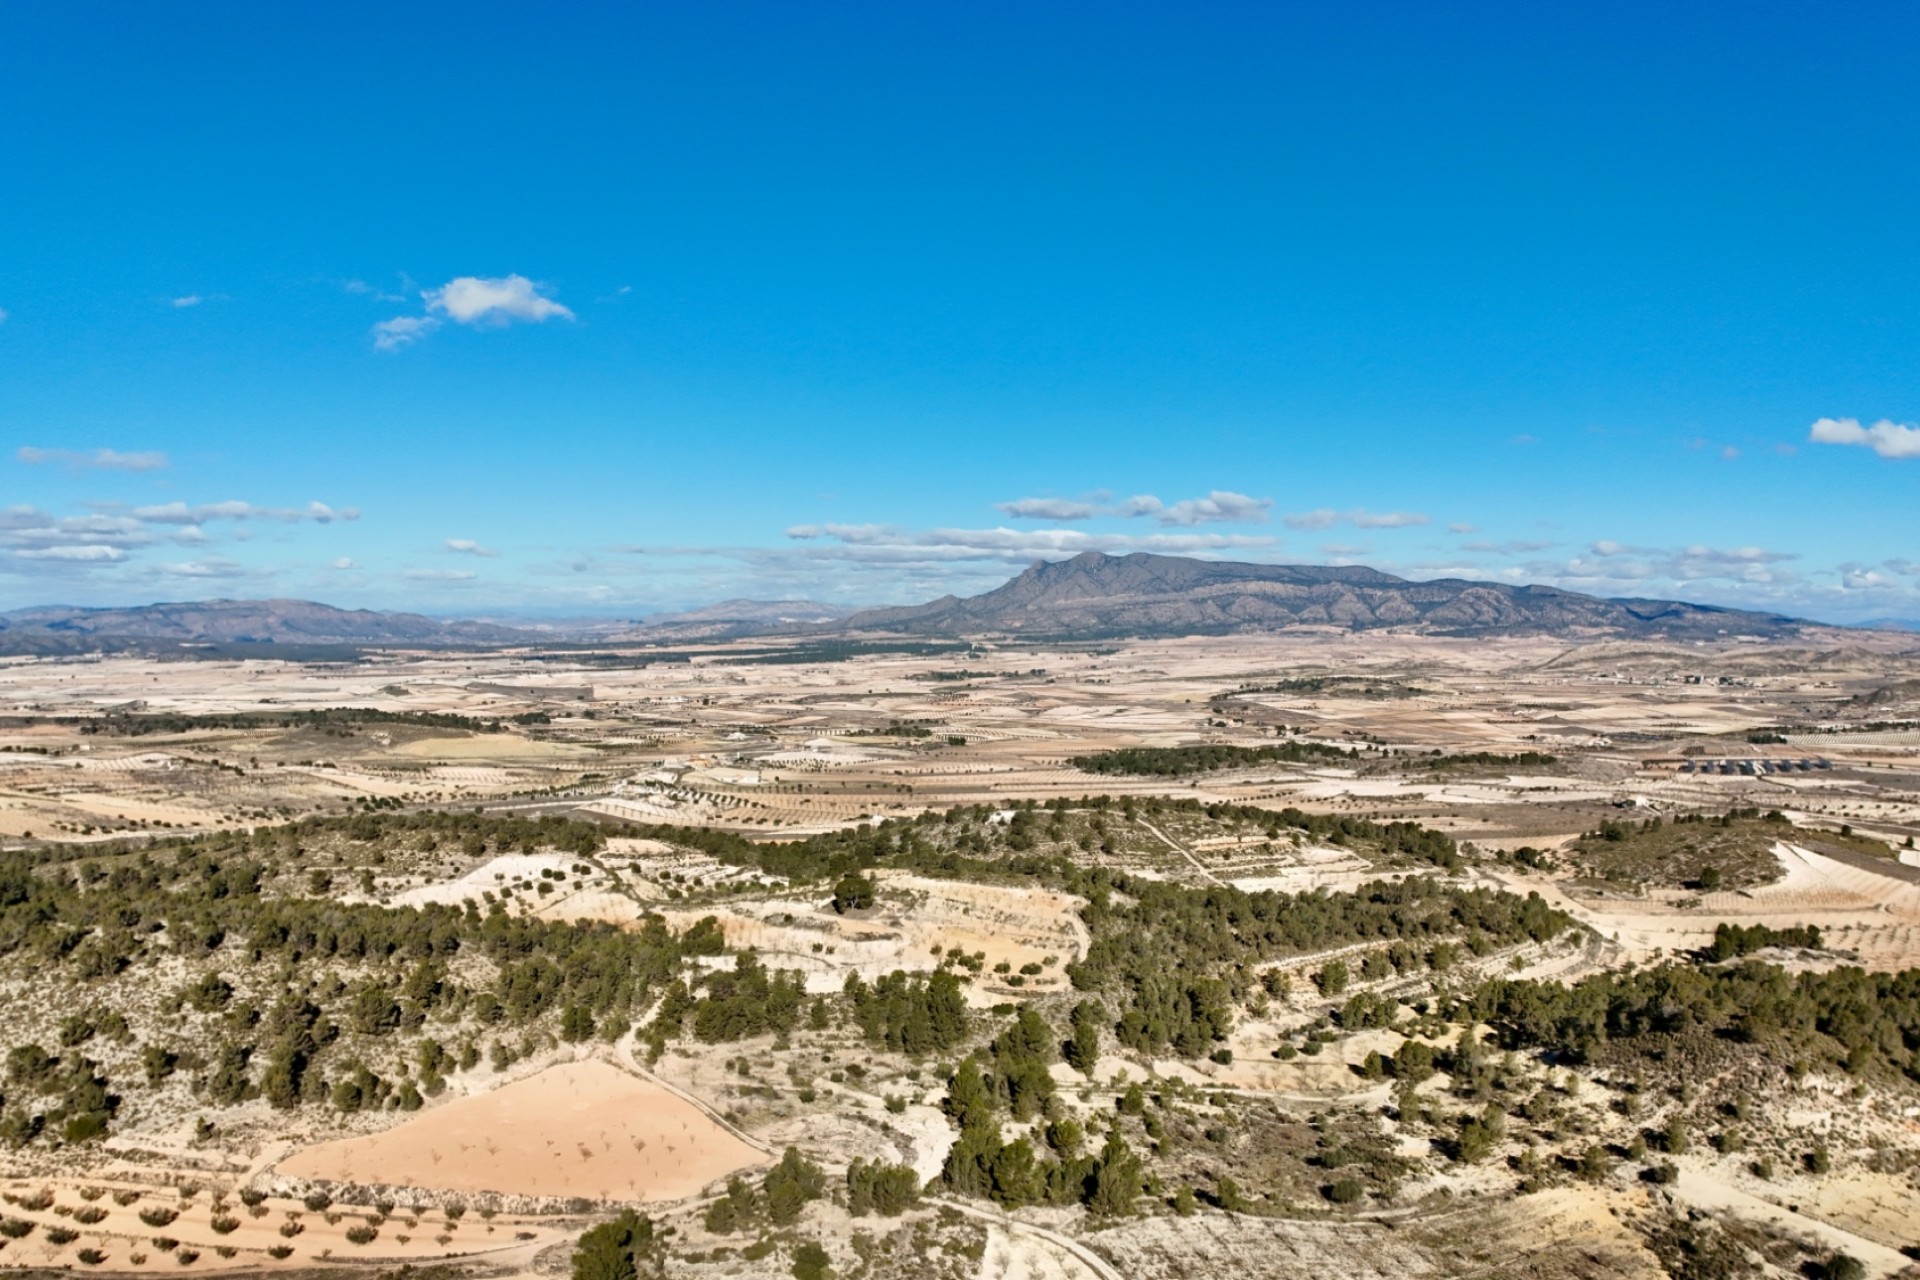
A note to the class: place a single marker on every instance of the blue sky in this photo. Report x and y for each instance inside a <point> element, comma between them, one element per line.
<point>574,308</point>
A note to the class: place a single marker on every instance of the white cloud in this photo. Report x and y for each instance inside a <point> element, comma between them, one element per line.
<point>1463,528</point>
<point>402,331</point>
<point>1737,555</point>
<point>1388,519</point>
<point>468,547</point>
<point>343,563</point>
<point>1887,438</point>
<point>493,301</point>
<point>1522,547</point>
<point>1613,566</point>
<point>92,459</point>
<point>86,553</point>
<point>1219,507</point>
<point>439,575</point>
<point>1048,509</point>
<point>1359,518</point>
<point>1864,580</point>
<point>188,300</point>
<point>31,533</point>
<point>890,544</point>
<point>207,569</point>
<point>181,513</point>
<point>111,533</point>
<point>362,287</point>
<point>480,301</point>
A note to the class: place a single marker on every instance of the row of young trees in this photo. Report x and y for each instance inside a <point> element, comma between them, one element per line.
<point>1173,762</point>
<point>140,724</point>
<point>1732,940</point>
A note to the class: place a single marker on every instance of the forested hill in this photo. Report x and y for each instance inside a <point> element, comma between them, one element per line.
<point>1097,595</point>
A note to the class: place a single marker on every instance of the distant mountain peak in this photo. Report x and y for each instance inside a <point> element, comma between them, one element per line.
<point>1094,594</point>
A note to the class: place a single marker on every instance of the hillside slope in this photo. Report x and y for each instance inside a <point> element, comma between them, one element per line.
<point>1095,595</point>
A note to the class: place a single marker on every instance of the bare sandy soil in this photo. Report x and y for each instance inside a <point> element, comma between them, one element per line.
<point>583,1129</point>
<point>282,1233</point>
<point>915,922</point>
<point>1868,916</point>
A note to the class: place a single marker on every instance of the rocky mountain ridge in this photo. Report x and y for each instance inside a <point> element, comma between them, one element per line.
<point>1094,595</point>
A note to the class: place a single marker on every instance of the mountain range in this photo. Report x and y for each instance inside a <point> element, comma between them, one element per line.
<point>56,629</point>
<point>1095,595</point>
<point>1091,596</point>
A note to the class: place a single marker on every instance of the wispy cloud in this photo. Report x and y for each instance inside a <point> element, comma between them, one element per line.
<point>1887,438</point>
<point>439,575</point>
<point>24,528</point>
<point>402,331</point>
<point>188,300</point>
<point>37,541</point>
<point>1505,548</point>
<point>207,569</point>
<point>364,289</point>
<point>1048,509</point>
<point>882,543</point>
<point>1221,506</point>
<point>1359,518</point>
<point>94,553</point>
<point>92,459</point>
<point>183,514</point>
<point>468,547</point>
<point>1612,565</point>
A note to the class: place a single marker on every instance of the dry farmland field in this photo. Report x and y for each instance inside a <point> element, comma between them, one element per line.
<point>1309,953</point>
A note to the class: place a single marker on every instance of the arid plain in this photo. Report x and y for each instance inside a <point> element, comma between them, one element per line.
<point>1556,770</point>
